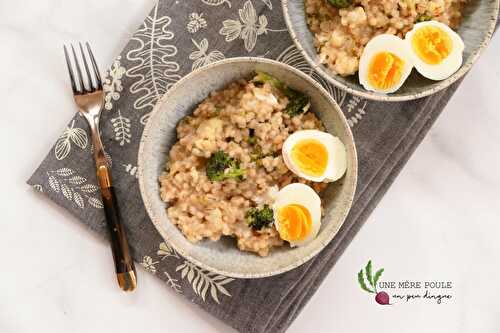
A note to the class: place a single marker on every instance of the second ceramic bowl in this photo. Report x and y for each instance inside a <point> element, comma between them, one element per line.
<point>159,135</point>
<point>476,29</point>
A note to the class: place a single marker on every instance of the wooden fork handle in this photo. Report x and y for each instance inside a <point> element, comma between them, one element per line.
<point>124,265</point>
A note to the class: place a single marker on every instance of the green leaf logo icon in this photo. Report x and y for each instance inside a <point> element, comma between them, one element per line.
<point>366,275</point>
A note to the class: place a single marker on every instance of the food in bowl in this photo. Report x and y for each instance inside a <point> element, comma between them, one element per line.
<point>436,49</point>
<point>385,64</point>
<point>343,28</point>
<point>297,214</point>
<point>226,175</point>
<point>315,155</point>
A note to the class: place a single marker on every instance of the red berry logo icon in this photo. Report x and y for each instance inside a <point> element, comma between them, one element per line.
<point>382,298</point>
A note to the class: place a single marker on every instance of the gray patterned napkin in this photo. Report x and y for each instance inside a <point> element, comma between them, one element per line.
<point>177,37</point>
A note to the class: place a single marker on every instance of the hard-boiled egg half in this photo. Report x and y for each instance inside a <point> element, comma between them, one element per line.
<point>385,64</point>
<point>315,155</point>
<point>436,49</point>
<point>297,214</point>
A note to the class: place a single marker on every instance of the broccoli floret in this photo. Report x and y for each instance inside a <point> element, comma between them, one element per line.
<point>262,77</point>
<point>257,154</point>
<point>340,3</point>
<point>423,18</point>
<point>259,218</point>
<point>252,140</point>
<point>298,102</point>
<point>221,166</point>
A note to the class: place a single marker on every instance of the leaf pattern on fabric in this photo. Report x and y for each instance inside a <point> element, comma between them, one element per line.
<point>204,281</point>
<point>201,57</point>
<point>196,22</point>
<point>165,251</point>
<point>355,108</point>
<point>78,199</point>
<point>121,126</point>
<point>38,188</point>
<point>216,2</point>
<point>54,184</point>
<point>149,264</point>
<point>71,135</point>
<point>64,172</point>
<point>77,180</point>
<point>268,3</point>
<point>153,72</point>
<point>248,27</point>
<point>94,202</point>
<point>131,170</point>
<point>73,187</point>
<point>66,191</point>
<point>89,188</point>
<point>173,283</point>
<point>112,84</point>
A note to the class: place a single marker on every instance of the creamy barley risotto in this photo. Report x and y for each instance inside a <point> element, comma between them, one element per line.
<point>340,34</point>
<point>227,163</point>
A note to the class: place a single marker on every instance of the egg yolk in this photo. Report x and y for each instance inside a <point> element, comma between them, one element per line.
<point>431,44</point>
<point>295,222</point>
<point>310,156</point>
<point>385,70</point>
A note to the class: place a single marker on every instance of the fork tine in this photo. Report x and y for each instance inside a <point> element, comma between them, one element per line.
<point>94,64</point>
<point>78,70</point>
<point>89,77</point>
<point>70,71</point>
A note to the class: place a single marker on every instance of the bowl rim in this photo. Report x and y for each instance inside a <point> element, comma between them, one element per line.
<point>320,69</point>
<point>156,220</point>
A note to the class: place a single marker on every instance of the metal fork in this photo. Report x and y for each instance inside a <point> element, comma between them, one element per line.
<point>89,97</point>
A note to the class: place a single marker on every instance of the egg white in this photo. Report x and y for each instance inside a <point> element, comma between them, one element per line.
<point>298,193</point>
<point>337,154</point>
<point>385,43</point>
<point>449,65</point>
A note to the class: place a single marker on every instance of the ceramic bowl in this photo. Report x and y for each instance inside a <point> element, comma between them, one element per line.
<point>159,135</point>
<point>479,18</point>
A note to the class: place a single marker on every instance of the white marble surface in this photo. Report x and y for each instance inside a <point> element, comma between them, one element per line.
<point>439,221</point>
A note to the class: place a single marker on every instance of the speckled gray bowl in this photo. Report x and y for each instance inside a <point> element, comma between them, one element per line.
<point>479,18</point>
<point>159,135</point>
